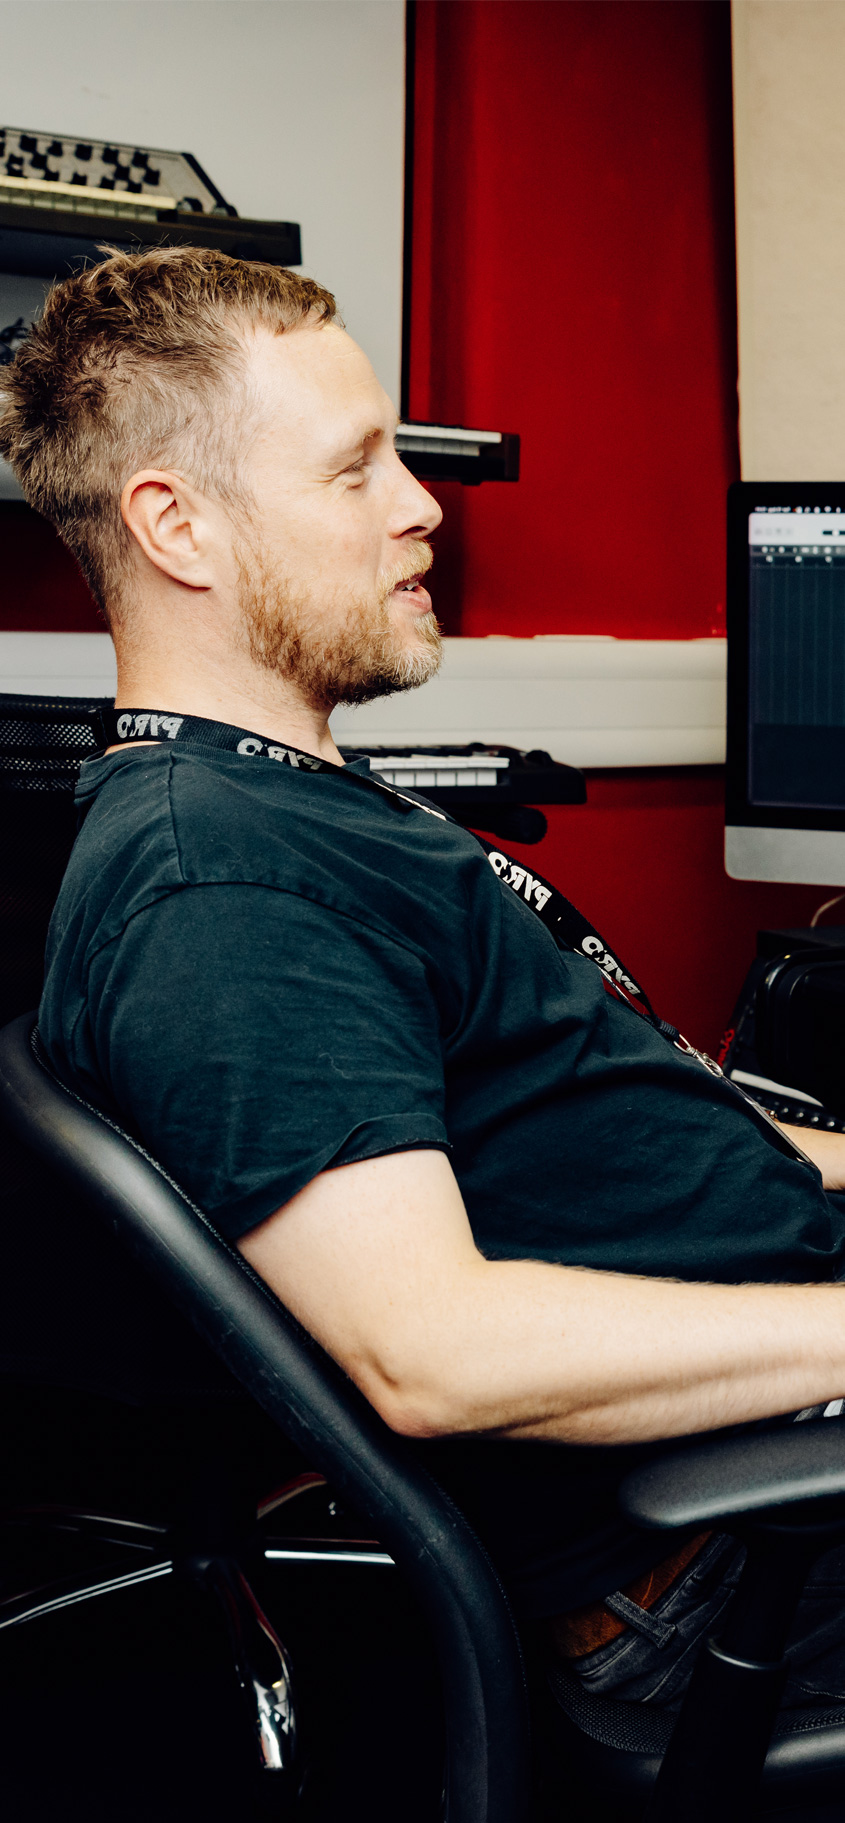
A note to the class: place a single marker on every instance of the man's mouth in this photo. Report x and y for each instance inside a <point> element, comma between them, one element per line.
<point>412,587</point>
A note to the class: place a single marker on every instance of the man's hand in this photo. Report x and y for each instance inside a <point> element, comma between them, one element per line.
<point>378,1261</point>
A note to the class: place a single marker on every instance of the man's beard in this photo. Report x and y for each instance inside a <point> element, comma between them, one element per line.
<point>338,657</point>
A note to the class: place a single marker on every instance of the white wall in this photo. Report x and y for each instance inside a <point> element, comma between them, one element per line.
<point>294,107</point>
<point>789,127</point>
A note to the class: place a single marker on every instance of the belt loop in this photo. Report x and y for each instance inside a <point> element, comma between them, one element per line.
<point>660,1632</point>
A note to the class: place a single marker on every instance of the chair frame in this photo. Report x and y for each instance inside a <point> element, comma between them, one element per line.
<point>319,1410</point>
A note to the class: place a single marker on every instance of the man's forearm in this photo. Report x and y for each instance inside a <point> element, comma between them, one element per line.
<point>827,1151</point>
<point>633,1359</point>
<point>378,1261</point>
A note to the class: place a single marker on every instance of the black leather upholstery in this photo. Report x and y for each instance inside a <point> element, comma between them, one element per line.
<point>319,1410</point>
<point>724,1478</point>
<point>42,741</point>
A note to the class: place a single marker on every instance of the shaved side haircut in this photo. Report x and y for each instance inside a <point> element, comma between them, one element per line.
<point>141,361</point>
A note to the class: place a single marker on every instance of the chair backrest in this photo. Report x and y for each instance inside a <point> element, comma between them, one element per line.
<point>86,1323</point>
<point>318,1409</point>
<point>74,1312</point>
<point>42,740</point>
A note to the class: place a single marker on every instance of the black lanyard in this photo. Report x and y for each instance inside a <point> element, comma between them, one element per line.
<point>573,932</point>
<point>569,928</point>
<point>119,727</point>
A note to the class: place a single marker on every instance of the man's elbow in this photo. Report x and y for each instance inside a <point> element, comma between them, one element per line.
<point>415,1406</point>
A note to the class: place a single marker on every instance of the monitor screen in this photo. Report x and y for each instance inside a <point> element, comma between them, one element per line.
<point>786,682</point>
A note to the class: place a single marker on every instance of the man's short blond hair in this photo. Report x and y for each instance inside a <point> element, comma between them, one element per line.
<point>141,362</point>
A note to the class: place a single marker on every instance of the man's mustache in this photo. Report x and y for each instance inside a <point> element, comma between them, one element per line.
<point>418,557</point>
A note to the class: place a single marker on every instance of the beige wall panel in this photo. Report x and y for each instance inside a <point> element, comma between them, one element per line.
<point>789,117</point>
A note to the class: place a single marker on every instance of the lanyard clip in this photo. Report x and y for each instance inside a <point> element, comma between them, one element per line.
<point>690,1050</point>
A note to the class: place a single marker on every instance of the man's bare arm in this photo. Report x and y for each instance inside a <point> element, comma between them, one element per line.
<point>378,1261</point>
<point>827,1150</point>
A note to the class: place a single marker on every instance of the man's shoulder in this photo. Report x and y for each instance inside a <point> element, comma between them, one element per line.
<point>157,821</point>
<point>126,853</point>
<point>178,818</point>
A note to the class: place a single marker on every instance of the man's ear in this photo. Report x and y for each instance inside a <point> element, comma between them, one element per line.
<point>170,523</point>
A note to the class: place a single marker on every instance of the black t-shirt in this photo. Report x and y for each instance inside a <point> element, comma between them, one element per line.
<point>268,971</point>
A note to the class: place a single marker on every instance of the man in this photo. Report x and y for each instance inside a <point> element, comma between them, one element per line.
<point>509,1205</point>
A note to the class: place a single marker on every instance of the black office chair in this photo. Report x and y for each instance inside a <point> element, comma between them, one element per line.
<point>291,1379</point>
<point>76,1314</point>
<point>783,1491</point>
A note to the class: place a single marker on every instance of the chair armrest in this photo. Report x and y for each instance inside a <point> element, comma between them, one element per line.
<point>722,1478</point>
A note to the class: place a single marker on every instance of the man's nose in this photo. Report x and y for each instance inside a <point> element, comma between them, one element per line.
<point>418,511</point>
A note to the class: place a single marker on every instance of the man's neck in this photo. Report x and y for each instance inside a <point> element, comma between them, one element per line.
<point>263,704</point>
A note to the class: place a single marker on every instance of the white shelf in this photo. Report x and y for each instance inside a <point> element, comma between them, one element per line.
<point>590,701</point>
<point>57,664</point>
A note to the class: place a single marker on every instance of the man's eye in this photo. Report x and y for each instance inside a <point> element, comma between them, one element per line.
<point>357,472</point>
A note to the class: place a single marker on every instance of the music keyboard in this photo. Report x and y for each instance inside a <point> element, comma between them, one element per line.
<point>489,787</point>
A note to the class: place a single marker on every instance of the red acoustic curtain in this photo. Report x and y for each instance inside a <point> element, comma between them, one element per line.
<point>572,278</point>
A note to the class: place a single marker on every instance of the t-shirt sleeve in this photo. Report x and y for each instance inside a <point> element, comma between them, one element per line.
<point>251,1038</point>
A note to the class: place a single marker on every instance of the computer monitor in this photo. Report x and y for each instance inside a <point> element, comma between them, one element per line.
<point>785,799</point>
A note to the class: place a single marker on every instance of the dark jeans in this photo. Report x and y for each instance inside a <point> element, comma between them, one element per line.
<point>653,1660</point>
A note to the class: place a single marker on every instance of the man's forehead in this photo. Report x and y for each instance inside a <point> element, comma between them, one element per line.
<point>318,386</point>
